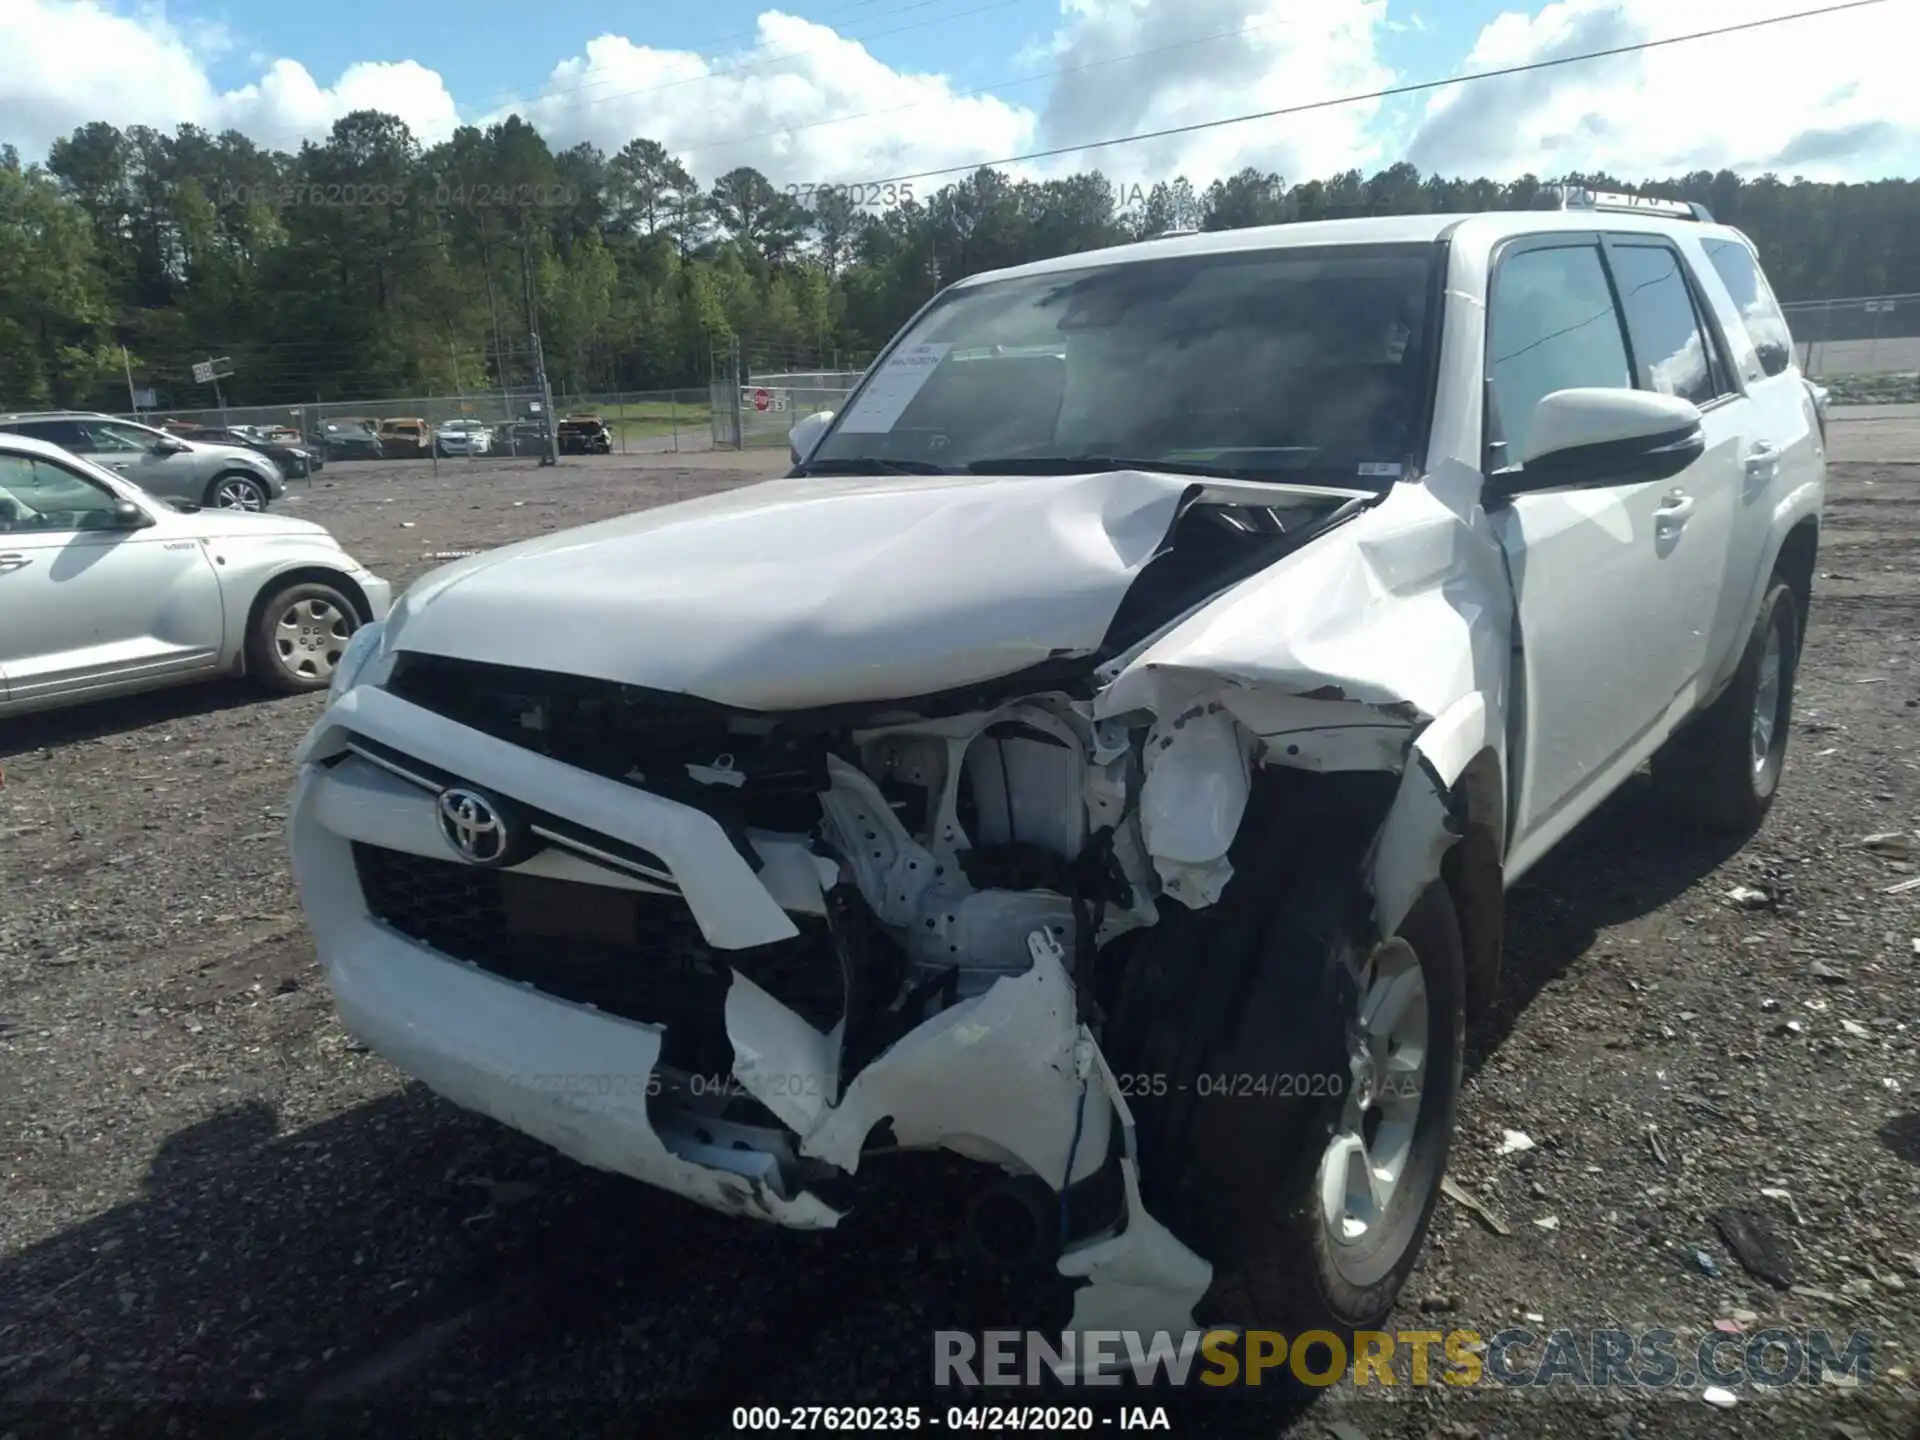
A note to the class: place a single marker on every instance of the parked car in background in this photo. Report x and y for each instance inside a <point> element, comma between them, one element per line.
<point>108,588</point>
<point>173,467</point>
<point>349,439</point>
<point>406,439</point>
<point>585,435</point>
<point>296,459</point>
<point>520,437</point>
<point>463,437</point>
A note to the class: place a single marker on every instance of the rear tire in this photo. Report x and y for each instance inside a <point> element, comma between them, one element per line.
<point>1724,769</point>
<point>298,637</point>
<point>1260,1151</point>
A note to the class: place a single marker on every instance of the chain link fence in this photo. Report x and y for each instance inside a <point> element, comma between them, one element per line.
<point>1876,335</point>
<point>641,422</point>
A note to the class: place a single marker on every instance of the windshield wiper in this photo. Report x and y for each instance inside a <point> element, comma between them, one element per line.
<point>868,465</point>
<point>1086,464</point>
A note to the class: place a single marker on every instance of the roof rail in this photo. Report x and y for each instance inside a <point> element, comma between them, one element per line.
<point>1579,197</point>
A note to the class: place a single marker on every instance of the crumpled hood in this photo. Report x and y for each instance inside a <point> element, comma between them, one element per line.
<point>810,591</point>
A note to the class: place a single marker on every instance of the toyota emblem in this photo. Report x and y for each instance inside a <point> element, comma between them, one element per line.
<point>474,825</point>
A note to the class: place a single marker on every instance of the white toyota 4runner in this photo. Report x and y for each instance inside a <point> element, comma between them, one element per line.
<point>1105,755</point>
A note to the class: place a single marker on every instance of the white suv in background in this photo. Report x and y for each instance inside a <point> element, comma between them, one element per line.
<point>1106,755</point>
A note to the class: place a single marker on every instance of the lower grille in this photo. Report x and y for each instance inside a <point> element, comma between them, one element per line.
<point>631,954</point>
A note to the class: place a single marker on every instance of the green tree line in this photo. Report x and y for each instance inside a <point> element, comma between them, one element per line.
<point>371,265</point>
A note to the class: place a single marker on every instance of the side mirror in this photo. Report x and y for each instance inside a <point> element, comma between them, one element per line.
<point>805,435</point>
<point>129,516</point>
<point>168,446</point>
<point>1591,437</point>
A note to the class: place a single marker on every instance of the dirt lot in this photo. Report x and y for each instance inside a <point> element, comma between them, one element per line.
<point>208,1193</point>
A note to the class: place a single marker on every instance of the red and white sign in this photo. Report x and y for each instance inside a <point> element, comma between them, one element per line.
<point>762,399</point>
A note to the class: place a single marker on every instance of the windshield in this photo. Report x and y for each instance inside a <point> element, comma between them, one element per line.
<point>1288,364</point>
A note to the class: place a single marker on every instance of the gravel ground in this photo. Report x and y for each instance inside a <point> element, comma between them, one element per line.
<point>208,1193</point>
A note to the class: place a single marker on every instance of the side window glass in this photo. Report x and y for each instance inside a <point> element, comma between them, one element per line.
<point>67,434</point>
<point>123,438</point>
<point>1753,296</point>
<point>1669,347</point>
<point>1551,325</point>
<point>36,495</point>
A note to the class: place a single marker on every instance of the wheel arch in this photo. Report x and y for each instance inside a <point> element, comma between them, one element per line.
<point>300,575</point>
<point>1799,549</point>
<point>233,472</point>
<point>1473,872</point>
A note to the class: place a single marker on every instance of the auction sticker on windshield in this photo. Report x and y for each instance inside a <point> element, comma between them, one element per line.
<point>890,392</point>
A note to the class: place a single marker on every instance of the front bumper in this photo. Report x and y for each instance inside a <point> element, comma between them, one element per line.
<point>1009,1078</point>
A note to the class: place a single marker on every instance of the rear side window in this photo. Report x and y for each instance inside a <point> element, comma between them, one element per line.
<point>1766,325</point>
<point>1551,325</point>
<point>67,434</point>
<point>1670,347</point>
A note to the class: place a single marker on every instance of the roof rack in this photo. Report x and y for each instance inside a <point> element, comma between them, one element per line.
<point>1579,197</point>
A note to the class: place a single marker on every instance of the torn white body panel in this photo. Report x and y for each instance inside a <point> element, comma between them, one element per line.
<point>1141,1278</point>
<point>1400,609</point>
<point>996,1078</point>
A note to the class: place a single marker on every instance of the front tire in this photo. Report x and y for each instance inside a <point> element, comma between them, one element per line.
<point>1303,1157</point>
<point>298,637</point>
<point>237,492</point>
<point>1724,769</point>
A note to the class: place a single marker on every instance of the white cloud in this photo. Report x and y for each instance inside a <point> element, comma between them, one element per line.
<point>64,63</point>
<point>806,106</point>
<point>1828,98</point>
<point>1267,54</point>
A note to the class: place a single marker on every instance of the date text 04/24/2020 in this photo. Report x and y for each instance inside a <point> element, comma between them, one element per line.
<point>1305,1085</point>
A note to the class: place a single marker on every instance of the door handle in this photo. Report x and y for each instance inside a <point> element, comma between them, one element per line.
<point>1672,516</point>
<point>13,562</point>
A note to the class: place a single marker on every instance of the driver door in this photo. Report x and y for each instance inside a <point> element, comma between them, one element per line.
<point>1614,585</point>
<point>93,605</point>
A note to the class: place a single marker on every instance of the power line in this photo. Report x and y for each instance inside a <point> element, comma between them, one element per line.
<point>1390,93</point>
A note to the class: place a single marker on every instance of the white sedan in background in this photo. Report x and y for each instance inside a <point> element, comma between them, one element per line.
<point>107,590</point>
<point>463,437</point>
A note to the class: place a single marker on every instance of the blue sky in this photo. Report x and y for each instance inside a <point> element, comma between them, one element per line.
<point>820,91</point>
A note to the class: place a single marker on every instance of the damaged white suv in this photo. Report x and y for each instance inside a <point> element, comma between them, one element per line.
<point>1105,755</point>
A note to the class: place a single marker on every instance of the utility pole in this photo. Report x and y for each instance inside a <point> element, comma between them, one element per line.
<point>132,400</point>
<point>549,452</point>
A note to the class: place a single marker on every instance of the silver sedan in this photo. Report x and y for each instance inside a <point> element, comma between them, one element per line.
<point>107,589</point>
